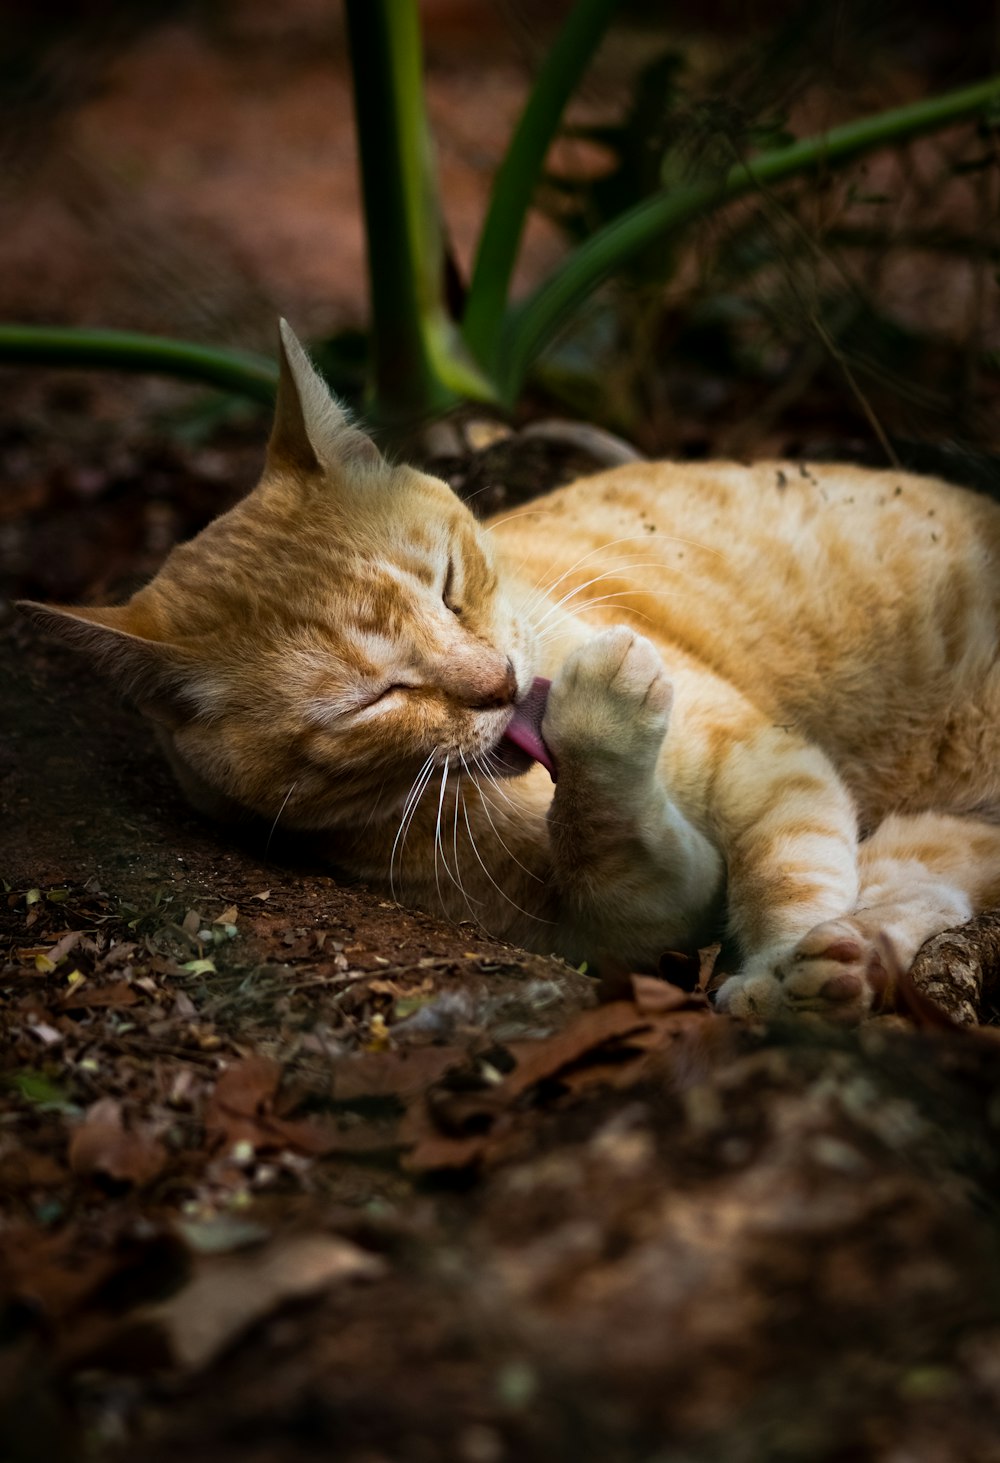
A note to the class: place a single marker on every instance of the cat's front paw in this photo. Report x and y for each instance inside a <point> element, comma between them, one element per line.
<point>609,705</point>
<point>836,972</point>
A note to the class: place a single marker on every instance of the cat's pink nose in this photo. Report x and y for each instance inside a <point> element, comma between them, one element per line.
<point>506,689</point>
<point>487,692</point>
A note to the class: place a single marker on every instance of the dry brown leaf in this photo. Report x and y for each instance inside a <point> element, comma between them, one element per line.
<point>102,1144</point>
<point>435,1153</point>
<point>609,1045</point>
<point>229,1293</point>
<point>241,1110</point>
<point>85,994</point>
<point>63,946</point>
<point>706,966</point>
<point>243,1096</point>
<point>537,1061</point>
<point>655,997</point>
<point>402,1073</point>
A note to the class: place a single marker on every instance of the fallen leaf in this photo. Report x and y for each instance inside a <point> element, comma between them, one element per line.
<point>616,1023</point>
<point>654,996</point>
<point>706,966</point>
<point>84,994</point>
<point>229,1294</point>
<point>243,1094</point>
<point>229,916</point>
<point>36,1088</point>
<point>222,1233</point>
<point>46,1034</point>
<point>609,1045</point>
<point>63,946</point>
<point>264,894</point>
<point>102,1144</point>
<point>402,1073</point>
<point>241,1110</point>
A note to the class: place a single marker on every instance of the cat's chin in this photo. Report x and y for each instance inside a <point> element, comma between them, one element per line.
<point>508,760</point>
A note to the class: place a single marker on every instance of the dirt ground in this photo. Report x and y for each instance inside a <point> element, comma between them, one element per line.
<point>287,1172</point>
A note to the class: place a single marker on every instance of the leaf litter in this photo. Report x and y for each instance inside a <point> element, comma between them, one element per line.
<point>293,1180</point>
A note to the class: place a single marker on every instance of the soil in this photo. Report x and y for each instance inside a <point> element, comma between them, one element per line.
<point>288,1172</point>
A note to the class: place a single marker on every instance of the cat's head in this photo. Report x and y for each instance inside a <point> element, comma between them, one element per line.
<point>312,649</point>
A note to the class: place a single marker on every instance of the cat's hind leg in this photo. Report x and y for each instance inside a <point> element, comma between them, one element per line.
<point>919,874</point>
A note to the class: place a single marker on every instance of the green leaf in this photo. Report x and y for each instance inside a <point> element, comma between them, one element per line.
<point>518,174</point>
<point>125,350</point>
<point>530,327</point>
<point>35,1087</point>
<point>419,365</point>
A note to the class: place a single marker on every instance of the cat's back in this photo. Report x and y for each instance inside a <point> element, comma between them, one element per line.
<point>748,513</point>
<point>827,548</point>
<point>851,602</point>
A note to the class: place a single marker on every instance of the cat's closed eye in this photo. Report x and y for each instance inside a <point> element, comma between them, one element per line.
<point>449,593</point>
<point>398,688</point>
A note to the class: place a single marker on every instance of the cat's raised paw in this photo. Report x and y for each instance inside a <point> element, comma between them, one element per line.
<point>610,703</point>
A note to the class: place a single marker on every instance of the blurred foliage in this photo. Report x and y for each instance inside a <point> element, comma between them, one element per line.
<point>748,310</point>
<point>795,293</point>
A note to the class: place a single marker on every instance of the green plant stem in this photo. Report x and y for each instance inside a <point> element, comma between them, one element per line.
<point>517,176</point>
<point>124,350</point>
<point>417,369</point>
<point>532,324</point>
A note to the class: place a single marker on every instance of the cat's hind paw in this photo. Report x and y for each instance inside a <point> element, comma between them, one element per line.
<point>836,972</point>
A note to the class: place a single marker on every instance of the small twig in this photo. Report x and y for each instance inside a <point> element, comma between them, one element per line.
<point>959,970</point>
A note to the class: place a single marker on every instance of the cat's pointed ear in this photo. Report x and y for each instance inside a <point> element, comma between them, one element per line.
<point>311,431</point>
<point>122,643</point>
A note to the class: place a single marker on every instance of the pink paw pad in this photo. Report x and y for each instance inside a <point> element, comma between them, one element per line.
<point>845,951</point>
<point>839,988</point>
<point>834,972</point>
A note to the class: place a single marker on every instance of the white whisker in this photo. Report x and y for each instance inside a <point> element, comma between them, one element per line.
<point>413,797</point>
<point>277,818</point>
<point>613,573</point>
<point>438,845</point>
<point>460,797</point>
<point>503,894</point>
<point>496,832</point>
<point>550,634</point>
<point>518,513</point>
<point>632,538</point>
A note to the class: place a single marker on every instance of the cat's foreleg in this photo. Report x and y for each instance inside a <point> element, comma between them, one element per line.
<point>634,875</point>
<point>920,874</point>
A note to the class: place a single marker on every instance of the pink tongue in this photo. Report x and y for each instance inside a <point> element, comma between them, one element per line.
<point>525,730</point>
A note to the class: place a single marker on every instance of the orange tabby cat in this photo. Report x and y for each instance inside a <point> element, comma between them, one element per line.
<point>774,709</point>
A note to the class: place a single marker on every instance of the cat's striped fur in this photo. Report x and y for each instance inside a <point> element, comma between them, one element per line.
<point>775,704</point>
